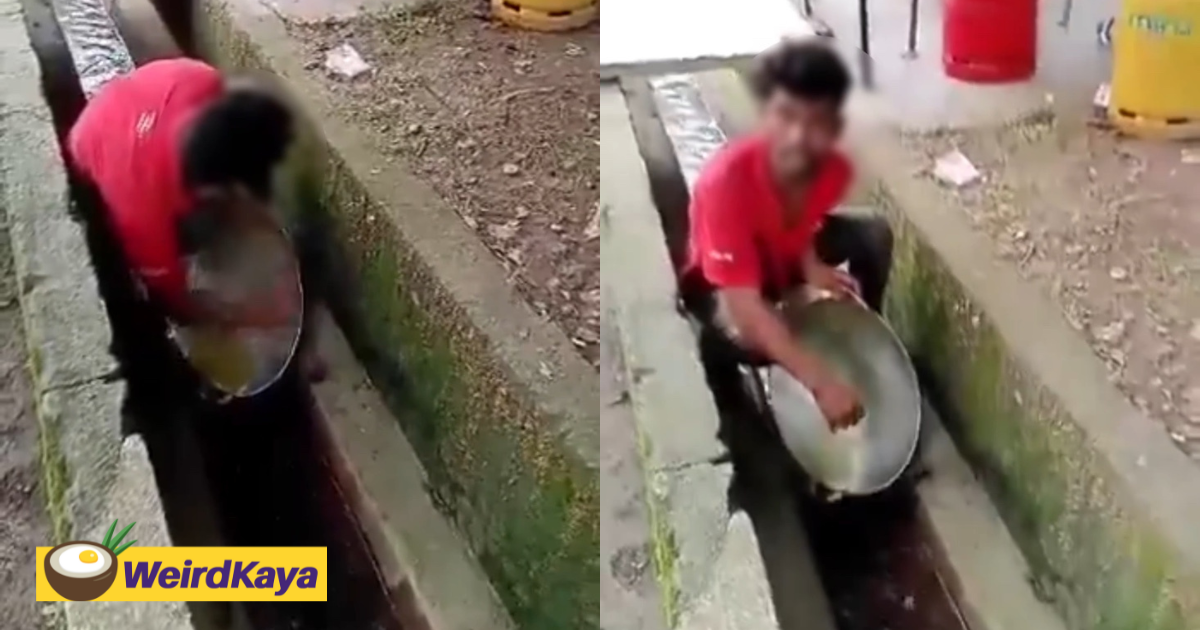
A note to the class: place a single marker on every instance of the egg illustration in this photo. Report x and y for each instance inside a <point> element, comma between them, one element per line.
<point>80,570</point>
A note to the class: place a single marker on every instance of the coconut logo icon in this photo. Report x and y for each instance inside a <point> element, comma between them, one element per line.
<point>82,570</point>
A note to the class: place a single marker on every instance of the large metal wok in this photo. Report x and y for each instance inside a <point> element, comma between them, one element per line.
<point>861,348</point>
<point>252,264</point>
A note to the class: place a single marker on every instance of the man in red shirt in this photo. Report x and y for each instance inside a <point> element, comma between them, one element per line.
<point>760,224</point>
<point>176,154</point>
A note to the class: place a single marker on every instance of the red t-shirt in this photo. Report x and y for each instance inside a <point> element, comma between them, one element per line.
<point>737,234</point>
<point>128,142</point>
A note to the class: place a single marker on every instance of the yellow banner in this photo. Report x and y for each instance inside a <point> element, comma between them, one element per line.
<point>84,571</point>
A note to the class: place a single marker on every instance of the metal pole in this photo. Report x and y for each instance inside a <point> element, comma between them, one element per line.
<point>864,44</point>
<point>912,29</point>
<point>1065,20</point>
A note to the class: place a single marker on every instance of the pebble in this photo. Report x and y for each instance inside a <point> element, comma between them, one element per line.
<point>1111,332</point>
<point>1118,273</point>
<point>510,169</point>
<point>345,62</point>
<point>503,231</point>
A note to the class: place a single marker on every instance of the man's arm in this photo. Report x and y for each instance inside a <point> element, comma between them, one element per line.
<point>760,327</point>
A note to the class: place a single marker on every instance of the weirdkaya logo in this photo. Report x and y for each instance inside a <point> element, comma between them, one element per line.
<point>81,570</point>
<point>233,575</point>
<point>86,571</point>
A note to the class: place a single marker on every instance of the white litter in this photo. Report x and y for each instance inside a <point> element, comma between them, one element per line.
<point>1189,155</point>
<point>1103,96</point>
<point>955,169</point>
<point>592,232</point>
<point>345,61</point>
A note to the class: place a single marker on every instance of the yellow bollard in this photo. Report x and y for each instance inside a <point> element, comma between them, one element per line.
<point>547,15</point>
<point>1156,57</point>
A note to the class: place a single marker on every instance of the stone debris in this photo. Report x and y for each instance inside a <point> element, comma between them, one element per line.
<point>593,228</point>
<point>955,169</point>
<point>344,61</point>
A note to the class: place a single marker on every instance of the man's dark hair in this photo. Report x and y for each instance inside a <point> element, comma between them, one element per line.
<point>238,140</point>
<point>809,69</point>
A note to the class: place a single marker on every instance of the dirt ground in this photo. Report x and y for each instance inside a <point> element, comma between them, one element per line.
<point>23,523</point>
<point>1110,227</point>
<point>504,124</point>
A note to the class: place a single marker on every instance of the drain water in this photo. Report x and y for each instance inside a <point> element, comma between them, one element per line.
<point>880,564</point>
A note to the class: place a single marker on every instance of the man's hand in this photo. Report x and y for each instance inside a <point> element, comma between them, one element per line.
<point>838,402</point>
<point>826,278</point>
<point>761,329</point>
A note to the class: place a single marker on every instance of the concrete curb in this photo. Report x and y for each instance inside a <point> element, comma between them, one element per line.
<point>1087,485</point>
<point>91,473</point>
<point>496,402</point>
<point>991,577</point>
<point>709,567</point>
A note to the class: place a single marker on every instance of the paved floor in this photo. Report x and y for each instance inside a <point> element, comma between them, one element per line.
<point>628,591</point>
<point>23,521</point>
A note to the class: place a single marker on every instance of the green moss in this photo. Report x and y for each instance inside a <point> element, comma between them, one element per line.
<point>525,503</point>
<point>664,550</point>
<point>55,477</point>
<point>1098,563</point>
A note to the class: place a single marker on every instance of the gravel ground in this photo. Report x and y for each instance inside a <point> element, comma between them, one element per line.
<point>23,522</point>
<point>1108,226</point>
<point>504,124</point>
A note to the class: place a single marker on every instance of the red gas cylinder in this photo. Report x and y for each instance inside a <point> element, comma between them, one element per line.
<point>990,41</point>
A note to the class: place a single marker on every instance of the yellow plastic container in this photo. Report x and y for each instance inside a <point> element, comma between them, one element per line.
<point>1156,55</point>
<point>550,7</point>
<point>547,15</point>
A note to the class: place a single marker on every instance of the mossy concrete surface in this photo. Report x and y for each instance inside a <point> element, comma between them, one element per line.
<point>498,405</point>
<point>434,580</point>
<point>1100,502</point>
<point>91,472</point>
